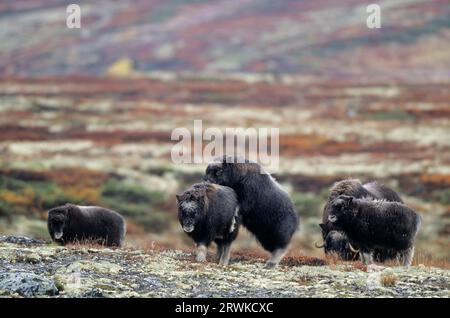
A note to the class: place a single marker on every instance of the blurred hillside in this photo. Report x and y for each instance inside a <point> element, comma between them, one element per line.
<point>311,38</point>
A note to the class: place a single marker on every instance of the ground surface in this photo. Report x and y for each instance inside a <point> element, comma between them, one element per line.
<point>32,268</point>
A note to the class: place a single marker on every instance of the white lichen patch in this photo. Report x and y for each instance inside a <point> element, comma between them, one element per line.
<point>98,267</point>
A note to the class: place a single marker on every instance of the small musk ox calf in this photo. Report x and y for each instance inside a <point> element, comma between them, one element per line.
<point>73,223</point>
<point>335,241</point>
<point>375,224</point>
<point>267,210</point>
<point>209,212</point>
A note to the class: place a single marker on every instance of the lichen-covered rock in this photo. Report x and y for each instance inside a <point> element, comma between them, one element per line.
<point>20,240</point>
<point>38,270</point>
<point>26,284</point>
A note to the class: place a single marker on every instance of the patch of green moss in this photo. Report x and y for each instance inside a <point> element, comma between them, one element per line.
<point>395,114</point>
<point>307,204</point>
<point>443,196</point>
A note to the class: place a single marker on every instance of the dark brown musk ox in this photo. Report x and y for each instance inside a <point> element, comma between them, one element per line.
<point>373,224</point>
<point>337,242</point>
<point>72,223</point>
<point>266,208</point>
<point>210,213</point>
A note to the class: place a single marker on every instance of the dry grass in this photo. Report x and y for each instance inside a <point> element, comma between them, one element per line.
<point>422,259</point>
<point>248,255</point>
<point>350,266</point>
<point>333,260</point>
<point>302,260</point>
<point>428,260</point>
<point>258,255</point>
<point>389,280</point>
<point>253,255</point>
<point>85,243</point>
<point>359,266</point>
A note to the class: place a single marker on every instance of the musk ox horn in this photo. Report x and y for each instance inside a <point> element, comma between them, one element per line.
<point>319,246</point>
<point>352,248</point>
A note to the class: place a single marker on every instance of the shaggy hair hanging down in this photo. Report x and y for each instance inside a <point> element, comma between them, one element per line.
<point>267,209</point>
<point>372,224</point>
<point>335,240</point>
<point>72,223</point>
<point>210,213</point>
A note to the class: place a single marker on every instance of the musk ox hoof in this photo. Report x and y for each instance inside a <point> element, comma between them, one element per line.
<point>201,258</point>
<point>270,265</point>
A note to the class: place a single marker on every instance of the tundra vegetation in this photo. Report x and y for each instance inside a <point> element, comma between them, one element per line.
<point>72,142</point>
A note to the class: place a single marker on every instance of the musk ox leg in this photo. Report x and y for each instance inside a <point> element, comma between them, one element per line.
<point>225,257</point>
<point>366,257</point>
<point>275,257</point>
<point>201,253</point>
<point>219,252</point>
<point>407,256</point>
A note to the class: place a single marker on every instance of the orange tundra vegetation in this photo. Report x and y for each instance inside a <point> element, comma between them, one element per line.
<point>439,179</point>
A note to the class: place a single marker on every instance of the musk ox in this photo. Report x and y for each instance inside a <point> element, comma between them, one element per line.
<point>353,187</point>
<point>267,210</point>
<point>375,224</point>
<point>71,223</point>
<point>209,212</point>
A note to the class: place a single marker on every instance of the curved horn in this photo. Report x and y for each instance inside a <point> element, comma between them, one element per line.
<point>319,246</point>
<point>352,248</point>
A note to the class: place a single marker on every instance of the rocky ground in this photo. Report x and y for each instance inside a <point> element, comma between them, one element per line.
<point>31,268</point>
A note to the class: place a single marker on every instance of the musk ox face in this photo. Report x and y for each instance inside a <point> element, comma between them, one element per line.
<point>337,242</point>
<point>191,205</point>
<point>341,208</point>
<point>57,220</point>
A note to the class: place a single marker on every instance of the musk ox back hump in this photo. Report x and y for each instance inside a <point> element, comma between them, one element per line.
<point>223,196</point>
<point>380,191</point>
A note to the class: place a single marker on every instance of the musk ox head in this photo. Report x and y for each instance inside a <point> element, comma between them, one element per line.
<point>337,242</point>
<point>57,221</point>
<point>341,208</point>
<point>192,205</point>
<point>230,170</point>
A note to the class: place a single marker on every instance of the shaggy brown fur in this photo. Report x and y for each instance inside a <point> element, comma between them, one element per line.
<point>72,223</point>
<point>335,240</point>
<point>209,212</point>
